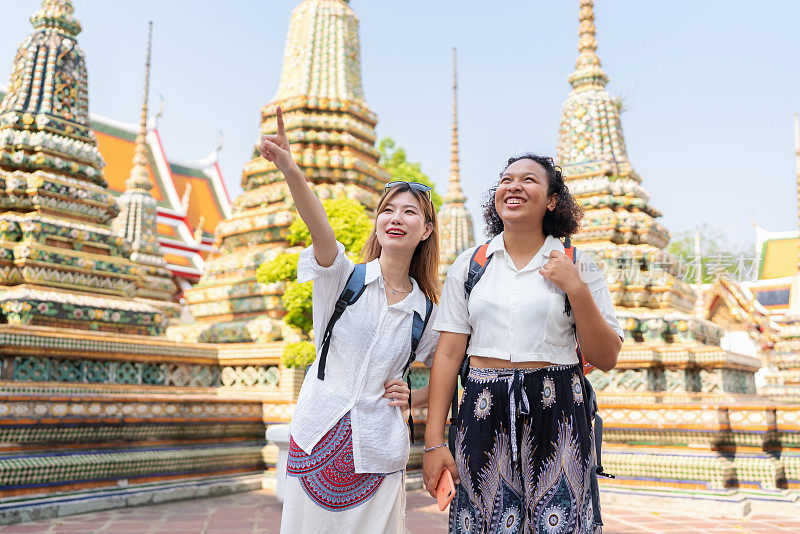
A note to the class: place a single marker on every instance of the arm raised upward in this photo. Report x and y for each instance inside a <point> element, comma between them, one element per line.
<point>275,148</point>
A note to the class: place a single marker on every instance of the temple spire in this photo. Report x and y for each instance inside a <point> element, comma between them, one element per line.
<point>56,14</point>
<point>322,59</point>
<point>139,178</point>
<point>333,142</point>
<point>588,71</point>
<point>455,220</point>
<point>138,215</point>
<point>58,201</point>
<point>454,191</point>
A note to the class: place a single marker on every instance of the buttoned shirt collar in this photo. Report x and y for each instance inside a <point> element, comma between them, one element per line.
<point>550,244</point>
<point>414,301</point>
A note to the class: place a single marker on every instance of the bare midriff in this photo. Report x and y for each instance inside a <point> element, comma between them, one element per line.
<point>483,362</point>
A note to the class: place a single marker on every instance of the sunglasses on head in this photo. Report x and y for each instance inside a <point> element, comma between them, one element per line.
<point>422,188</point>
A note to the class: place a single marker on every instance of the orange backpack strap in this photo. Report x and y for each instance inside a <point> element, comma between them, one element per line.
<point>477,266</point>
<point>569,250</point>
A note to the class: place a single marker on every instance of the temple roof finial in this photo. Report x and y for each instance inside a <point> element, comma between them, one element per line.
<point>56,14</point>
<point>587,68</point>
<point>139,178</point>
<point>455,220</point>
<point>454,191</point>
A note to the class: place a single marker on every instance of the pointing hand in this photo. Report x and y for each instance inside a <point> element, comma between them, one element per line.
<point>275,148</point>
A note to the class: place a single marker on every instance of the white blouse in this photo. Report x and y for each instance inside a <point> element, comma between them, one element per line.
<point>370,345</point>
<point>518,315</point>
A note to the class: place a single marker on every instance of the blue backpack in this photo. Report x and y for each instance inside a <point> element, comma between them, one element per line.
<point>352,291</point>
<point>477,266</point>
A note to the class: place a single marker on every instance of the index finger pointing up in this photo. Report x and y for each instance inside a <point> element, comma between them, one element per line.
<point>281,131</point>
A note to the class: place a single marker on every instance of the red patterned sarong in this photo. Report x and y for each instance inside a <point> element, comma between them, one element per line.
<point>328,475</point>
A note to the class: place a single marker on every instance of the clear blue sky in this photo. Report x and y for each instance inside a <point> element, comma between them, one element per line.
<point>710,86</point>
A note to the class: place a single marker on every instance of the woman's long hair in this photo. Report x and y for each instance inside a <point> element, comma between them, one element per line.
<point>425,260</point>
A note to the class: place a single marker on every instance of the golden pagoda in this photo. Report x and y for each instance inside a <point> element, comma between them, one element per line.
<point>60,262</point>
<point>680,413</point>
<point>455,220</point>
<point>333,136</point>
<point>94,401</point>
<point>137,220</point>
<point>667,348</point>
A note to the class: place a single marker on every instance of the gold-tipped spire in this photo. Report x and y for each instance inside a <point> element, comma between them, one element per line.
<point>454,191</point>
<point>138,217</point>
<point>455,220</point>
<point>139,178</point>
<point>588,71</point>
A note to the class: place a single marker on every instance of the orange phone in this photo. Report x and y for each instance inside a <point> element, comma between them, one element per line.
<point>445,489</point>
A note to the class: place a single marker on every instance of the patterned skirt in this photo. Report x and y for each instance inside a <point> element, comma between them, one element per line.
<point>323,493</point>
<point>524,450</point>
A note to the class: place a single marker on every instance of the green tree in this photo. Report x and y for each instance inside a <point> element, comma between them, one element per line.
<point>349,221</point>
<point>393,160</point>
<point>352,226</point>
<point>717,254</point>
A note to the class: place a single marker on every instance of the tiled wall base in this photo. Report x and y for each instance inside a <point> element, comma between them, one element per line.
<point>703,470</point>
<point>49,471</point>
<point>17,510</point>
<point>732,503</point>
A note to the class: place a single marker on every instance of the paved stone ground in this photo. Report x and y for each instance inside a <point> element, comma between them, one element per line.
<point>259,512</point>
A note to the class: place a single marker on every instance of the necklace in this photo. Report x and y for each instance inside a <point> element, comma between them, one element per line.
<point>396,291</point>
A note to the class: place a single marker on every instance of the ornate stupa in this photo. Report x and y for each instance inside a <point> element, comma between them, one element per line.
<point>668,349</point>
<point>455,220</point>
<point>60,262</point>
<point>680,409</point>
<point>333,136</point>
<point>137,219</point>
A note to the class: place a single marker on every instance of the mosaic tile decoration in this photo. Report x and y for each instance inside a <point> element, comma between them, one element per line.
<point>333,137</point>
<point>32,470</point>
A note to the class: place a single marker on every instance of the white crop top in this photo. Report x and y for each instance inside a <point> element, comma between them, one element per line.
<point>518,315</point>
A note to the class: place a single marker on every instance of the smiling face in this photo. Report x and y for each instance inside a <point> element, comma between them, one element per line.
<point>400,224</point>
<point>521,197</point>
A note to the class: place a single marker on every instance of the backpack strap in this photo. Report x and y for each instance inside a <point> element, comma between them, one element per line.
<point>590,406</point>
<point>417,329</point>
<point>352,291</point>
<point>477,266</point>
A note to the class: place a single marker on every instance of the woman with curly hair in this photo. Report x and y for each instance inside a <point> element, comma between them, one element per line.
<point>523,444</point>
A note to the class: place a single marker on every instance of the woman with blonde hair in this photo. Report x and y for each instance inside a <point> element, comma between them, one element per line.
<point>349,443</point>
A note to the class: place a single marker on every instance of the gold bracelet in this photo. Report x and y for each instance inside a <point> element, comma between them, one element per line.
<point>429,449</point>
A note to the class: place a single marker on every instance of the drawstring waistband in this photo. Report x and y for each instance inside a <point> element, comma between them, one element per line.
<point>518,404</point>
<point>517,399</point>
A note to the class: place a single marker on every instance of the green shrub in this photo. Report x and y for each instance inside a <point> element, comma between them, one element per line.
<point>296,300</point>
<point>299,354</point>
<point>282,268</point>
